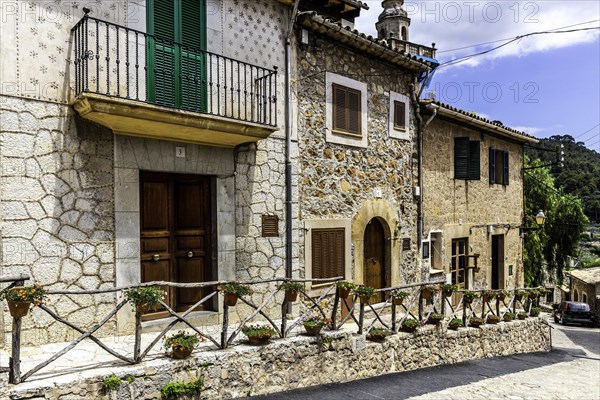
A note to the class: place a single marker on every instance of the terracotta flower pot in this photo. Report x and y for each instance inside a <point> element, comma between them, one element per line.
<point>500,297</point>
<point>376,338</point>
<point>291,295</point>
<point>313,330</point>
<point>144,308</point>
<point>181,352</point>
<point>343,292</point>
<point>427,294</point>
<point>492,320</point>
<point>398,301</point>
<point>507,318</point>
<point>365,299</point>
<point>454,326</point>
<point>259,340</point>
<point>18,308</point>
<point>230,299</point>
<point>408,329</point>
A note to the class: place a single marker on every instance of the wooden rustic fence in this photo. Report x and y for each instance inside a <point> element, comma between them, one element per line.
<point>387,315</point>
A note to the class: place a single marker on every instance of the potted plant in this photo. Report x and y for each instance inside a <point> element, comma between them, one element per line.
<point>509,316</point>
<point>469,296</point>
<point>291,290</point>
<point>258,334</point>
<point>533,294</point>
<point>519,294</point>
<point>476,322</point>
<point>455,323</point>
<point>448,288</point>
<point>492,319</point>
<point>313,325</point>
<point>20,298</point>
<point>377,334</point>
<point>435,318</point>
<point>410,325</point>
<point>344,288</point>
<point>232,291</point>
<point>535,311</point>
<point>501,295</point>
<point>428,291</point>
<point>398,297</point>
<point>522,315</point>
<point>181,344</point>
<point>364,292</point>
<point>489,295</point>
<point>144,298</point>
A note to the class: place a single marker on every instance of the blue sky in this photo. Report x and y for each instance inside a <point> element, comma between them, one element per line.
<point>544,85</point>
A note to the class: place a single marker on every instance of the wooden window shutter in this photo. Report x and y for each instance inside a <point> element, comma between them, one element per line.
<point>164,24</point>
<point>354,111</point>
<point>506,169</point>
<point>346,109</point>
<point>399,115</point>
<point>474,163</point>
<point>327,252</point>
<point>492,166</point>
<point>461,158</point>
<point>339,108</point>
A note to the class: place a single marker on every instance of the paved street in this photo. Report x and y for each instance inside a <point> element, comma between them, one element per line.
<point>570,371</point>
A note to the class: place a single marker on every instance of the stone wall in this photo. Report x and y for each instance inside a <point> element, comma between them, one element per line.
<point>339,182</point>
<point>301,362</point>
<point>57,199</point>
<point>591,291</point>
<point>464,208</point>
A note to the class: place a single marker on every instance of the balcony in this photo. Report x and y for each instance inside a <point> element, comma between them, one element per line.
<point>143,85</point>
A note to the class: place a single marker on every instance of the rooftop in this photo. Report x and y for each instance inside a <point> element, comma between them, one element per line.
<point>587,275</point>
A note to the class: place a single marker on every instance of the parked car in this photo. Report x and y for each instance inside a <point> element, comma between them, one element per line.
<point>573,312</point>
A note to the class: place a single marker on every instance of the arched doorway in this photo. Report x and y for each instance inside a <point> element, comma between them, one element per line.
<point>375,271</point>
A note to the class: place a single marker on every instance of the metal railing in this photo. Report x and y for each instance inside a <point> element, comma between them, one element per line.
<point>116,61</point>
<point>417,305</point>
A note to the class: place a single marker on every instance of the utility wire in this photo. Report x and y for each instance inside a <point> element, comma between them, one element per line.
<point>589,130</point>
<point>517,38</point>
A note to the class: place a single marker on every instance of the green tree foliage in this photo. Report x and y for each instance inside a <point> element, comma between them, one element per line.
<point>558,239</point>
<point>581,173</point>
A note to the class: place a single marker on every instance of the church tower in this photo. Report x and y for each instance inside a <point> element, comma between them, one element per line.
<point>393,22</point>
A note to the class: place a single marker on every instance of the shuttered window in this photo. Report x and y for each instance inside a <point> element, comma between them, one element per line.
<point>399,115</point>
<point>467,159</point>
<point>499,171</point>
<point>346,110</point>
<point>176,64</point>
<point>328,249</point>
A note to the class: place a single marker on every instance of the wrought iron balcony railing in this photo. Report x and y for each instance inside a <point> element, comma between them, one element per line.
<point>121,62</point>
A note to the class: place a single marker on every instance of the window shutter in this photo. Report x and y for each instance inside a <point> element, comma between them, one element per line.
<point>354,111</point>
<point>164,19</point>
<point>317,255</point>
<point>339,259</point>
<point>492,167</point>
<point>399,115</point>
<point>474,157</point>
<point>339,108</point>
<point>506,170</point>
<point>192,23</point>
<point>461,158</point>
<point>163,68</point>
<point>327,252</point>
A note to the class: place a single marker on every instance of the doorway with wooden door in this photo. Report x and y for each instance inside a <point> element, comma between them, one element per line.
<point>458,266</point>
<point>376,271</point>
<point>176,236</point>
<point>497,262</point>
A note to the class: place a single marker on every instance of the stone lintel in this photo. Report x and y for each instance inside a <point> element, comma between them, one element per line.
<point>135,118</point>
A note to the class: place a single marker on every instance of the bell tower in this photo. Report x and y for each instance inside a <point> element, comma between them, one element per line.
<point>393,22</point>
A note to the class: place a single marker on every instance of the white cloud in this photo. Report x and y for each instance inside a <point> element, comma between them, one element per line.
<point>456,24</point>
<point>532,130</point>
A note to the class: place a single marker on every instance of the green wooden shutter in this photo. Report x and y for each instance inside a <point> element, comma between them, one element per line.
<point>506,170</point>
<point>192,69</point>
<point>474,163</point>
<point>163,58</point>
<point>492,166</point>
<point>461,158</point>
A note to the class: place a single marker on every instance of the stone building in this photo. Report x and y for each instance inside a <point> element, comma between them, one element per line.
<point>114,125</point>
<point>357,153</point>
<point>584,286</point>
<point>472,198</point>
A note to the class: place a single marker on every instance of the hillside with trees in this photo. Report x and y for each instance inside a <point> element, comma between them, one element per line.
<point>580,175</point>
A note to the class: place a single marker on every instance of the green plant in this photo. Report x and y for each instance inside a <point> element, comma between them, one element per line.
<point>502,294</point>
<point>448,288</point>
<point>519,294</point>
<point>400,294</point>
<point>410,323</point>
<point>292,286</point>
<point>111,382</point>
<point>509,316</point>
<point>469,296</point>
<point>174,390</point>
<point>35,294</point>
<point>522,315</point>
<point>476,321</point>
<point>129,379</point>
<point>144,295</point>
<point>314,321</point>
<point>258,331</point>
<point>182,341</point>
<point>435,318</point>
<point>377,334</point>
<point>533,293</point>
<point>455,323</point>
<point>236,288</point>
<point>345,285</point>
<point>535,311</point>
<point>489,294</point>
<point>492,319</point>
<point>364,291</point>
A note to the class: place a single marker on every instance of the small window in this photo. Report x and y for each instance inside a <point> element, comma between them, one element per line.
<point>499,170</point>
<point>458,266</point>
<point>346,110</point>
<point>436,250</point>
<point>400,115</point>
<point>328,252</point>
<point>466,159</point>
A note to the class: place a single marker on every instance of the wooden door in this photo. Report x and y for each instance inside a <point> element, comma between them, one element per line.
<point>458,266</point>
<point>374,258</point>
<point>497,262</point>
<point>175,234</point>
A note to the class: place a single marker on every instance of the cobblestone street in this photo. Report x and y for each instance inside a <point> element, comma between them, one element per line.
<point>570,371</point>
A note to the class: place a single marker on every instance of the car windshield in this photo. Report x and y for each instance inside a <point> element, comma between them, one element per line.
<point>578,307</point>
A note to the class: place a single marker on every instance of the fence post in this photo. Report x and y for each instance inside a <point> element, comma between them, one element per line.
<point>361,317</point>
<point>393,316</point>
<point>284,308</point>
<point>420,303</point>
<point>497,306</point>
<point>225,323</point>
<point>138,337</point>
<point>464,316</point>
<point>336,303</point>
<point>15,359</point>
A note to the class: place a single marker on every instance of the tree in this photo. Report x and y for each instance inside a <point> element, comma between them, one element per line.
<point>554,243</point>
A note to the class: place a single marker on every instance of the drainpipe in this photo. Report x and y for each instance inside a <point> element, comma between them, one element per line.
<point>288,145</point>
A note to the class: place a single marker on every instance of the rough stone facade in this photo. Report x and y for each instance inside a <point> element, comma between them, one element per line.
<point>467,208</point>
<point>585,287</point>
<point>283,364</point>
<point>348,183</point>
